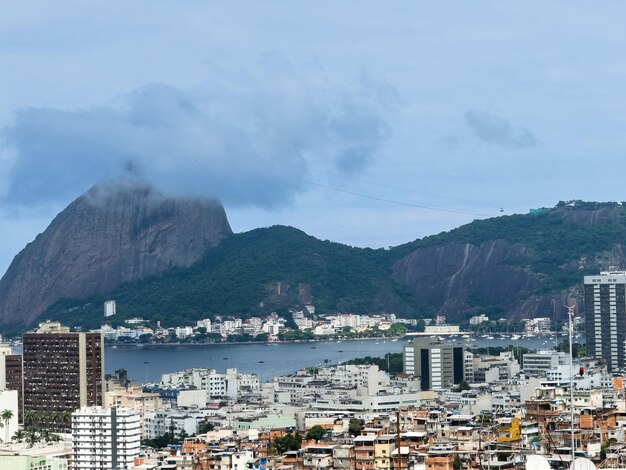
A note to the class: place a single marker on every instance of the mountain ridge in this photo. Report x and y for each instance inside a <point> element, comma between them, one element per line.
<point>514,266</point>
<point>111,235</point>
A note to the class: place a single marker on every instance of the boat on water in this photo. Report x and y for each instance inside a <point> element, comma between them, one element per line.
<point>515,337</point>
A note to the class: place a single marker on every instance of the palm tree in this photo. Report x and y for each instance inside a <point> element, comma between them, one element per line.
<point>29,417</point>
<point>19,435</point>
<point>65,418</point>
<point>6,416</point>
<point>32,436</point>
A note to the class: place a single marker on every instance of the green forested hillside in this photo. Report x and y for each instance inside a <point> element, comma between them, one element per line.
<point>239,277</point>
<point>554,239</point>
<point>242,275</point>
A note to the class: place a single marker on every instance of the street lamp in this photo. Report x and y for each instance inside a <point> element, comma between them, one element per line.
<point>340,351</point>
<point>261,371</point>
<point>145,363</point>
<point>225,359</point>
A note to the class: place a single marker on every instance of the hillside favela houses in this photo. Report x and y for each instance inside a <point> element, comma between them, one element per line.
<point>445,405</point>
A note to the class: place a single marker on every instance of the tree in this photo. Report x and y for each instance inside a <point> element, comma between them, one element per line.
<point>30,417</point>
<point>457,464</point>
<point>160,441</point>
<point>19,435</point>
<point>6,416</point>
<point>578,350</point>
<point>282,444</point>
<point>32,436</point>
<point>317,433</point>
<point>203,428</point>
<point>462,386</point>
<point>145,338</point>
<point>355,426</point>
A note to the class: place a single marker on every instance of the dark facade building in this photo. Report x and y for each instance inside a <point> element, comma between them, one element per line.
<point>13,374</point>
<point>605,317</point>
<point>62,371</point>
<point>437,365</point>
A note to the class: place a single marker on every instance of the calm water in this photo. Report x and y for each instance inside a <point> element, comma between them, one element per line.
<point>263,359</point>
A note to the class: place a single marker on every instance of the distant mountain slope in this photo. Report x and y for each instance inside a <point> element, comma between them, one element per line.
<point>513,266</point>
<point>107,237</point>
<point>517,265</point>
<point>257,271</point>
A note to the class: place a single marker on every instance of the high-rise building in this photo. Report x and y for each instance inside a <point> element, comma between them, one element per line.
<point>11,375</point>
<point>605,316</point>
<point>62,372</point>
<point>109,308</point>
<point>438,365</point>
<point>105,438</point>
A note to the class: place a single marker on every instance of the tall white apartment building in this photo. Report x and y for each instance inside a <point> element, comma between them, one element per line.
<point>109,308</point>
<point>605,314</point>
<point>105,438</point>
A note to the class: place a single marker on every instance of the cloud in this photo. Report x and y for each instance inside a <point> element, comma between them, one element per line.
<point>246,138</point>
<point>495,130</point>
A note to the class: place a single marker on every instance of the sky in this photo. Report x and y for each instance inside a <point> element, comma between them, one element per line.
<point>361,122</point>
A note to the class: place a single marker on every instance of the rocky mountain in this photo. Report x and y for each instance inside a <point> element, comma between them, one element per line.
<point>517,266</point>
<point>109,236</point>
<point>152,255</point>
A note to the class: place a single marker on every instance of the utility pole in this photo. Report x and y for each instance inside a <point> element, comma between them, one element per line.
<point>570,315</point>
<point>398,439</point>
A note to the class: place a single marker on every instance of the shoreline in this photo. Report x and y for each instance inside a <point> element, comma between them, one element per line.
<point>269,343</point>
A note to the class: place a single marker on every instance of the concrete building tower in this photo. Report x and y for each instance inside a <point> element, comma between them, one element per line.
<point>62,372</point>
<point>438,365</point>
<point>106,438</point>
<point>605,316</point>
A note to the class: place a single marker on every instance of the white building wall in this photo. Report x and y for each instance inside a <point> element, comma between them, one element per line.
<point>191,398</point>
<point>97,431</point>
<point>8,401</point>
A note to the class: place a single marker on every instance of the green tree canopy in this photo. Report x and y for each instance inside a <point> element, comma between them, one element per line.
<point>355,426</point>
<point>282,444</point>
<point>317,433</point>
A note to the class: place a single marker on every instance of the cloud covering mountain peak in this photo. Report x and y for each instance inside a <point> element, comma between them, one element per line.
<point>245,139</point>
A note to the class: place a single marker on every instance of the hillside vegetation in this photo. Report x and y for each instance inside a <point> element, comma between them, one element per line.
<point>280,267</point>
<point>241,277</point>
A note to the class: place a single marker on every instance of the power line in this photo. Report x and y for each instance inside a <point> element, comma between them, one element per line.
<point>392,201</point>
<point>485,203</point>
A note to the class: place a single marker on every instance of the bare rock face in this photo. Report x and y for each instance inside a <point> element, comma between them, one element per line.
<point>108,236</point>
<point>450,277</point>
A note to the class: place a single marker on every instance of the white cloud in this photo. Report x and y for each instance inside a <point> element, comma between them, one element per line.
<point>247,138</point>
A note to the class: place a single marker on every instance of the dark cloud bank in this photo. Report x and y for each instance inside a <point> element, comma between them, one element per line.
<point>247,142</point>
